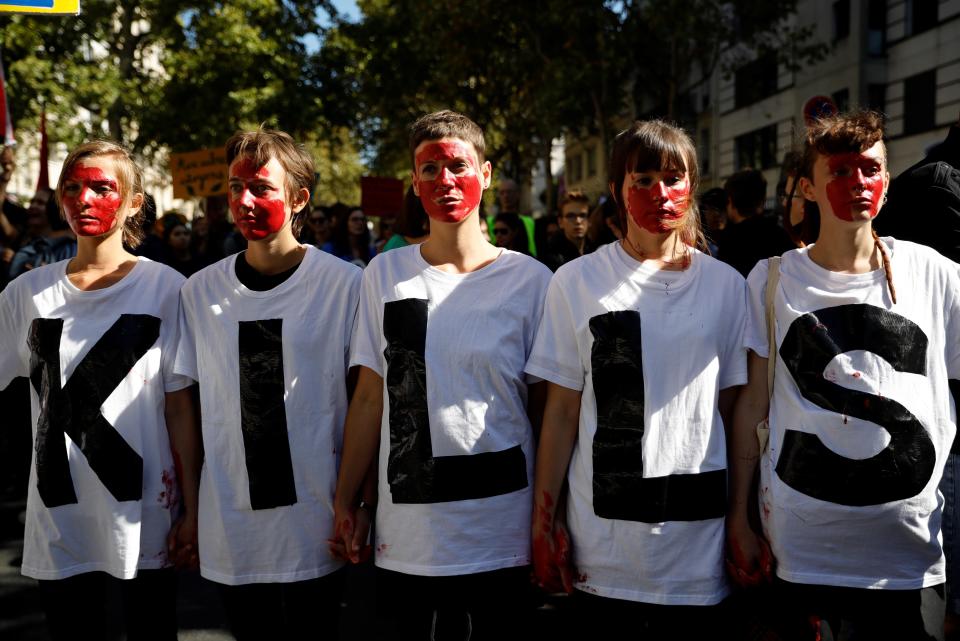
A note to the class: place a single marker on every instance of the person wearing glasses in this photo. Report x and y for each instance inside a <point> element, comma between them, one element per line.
<point>317,231</point>
<point>572,241</point>
<point>509,232</point>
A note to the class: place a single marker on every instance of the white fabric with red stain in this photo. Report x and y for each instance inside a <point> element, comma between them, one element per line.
<point>691,332</point>
<point>99,533</point>
<point>480,330</point>
<point>894,545</point>
<point>318,303</point>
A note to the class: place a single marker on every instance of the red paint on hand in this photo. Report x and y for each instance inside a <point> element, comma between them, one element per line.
<point>449,180</point>
<point>91,200</point>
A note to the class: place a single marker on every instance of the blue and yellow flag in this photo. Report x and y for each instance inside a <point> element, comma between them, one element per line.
<point>41,6</point>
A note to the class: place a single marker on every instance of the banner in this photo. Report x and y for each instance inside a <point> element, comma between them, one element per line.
<point>64,7</point>
<point>199,173</point>
<point>381,196</point>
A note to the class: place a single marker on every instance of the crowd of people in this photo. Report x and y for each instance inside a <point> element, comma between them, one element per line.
<point>742,446</point>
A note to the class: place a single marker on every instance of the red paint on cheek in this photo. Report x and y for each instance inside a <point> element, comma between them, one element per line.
<point>657,208</point>
<point>257,216</point>
<point>857,194</point>
<point>94,202</point>
<point>453,191</point>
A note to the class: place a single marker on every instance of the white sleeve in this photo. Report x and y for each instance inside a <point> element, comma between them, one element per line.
<point>169,346</point>
<point>365,344</point>
<point>12,336</point>
<point>185,363</point>
<point>555,356</point>
<point>755,332</point>
<point>953,328</point>
<point>733,356</point>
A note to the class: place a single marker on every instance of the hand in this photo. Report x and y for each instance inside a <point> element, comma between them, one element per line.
<point>552,563</point>
<point>6,255</point>
<point>182,543</point>
<point>351,528</point>
<point>749,560</point>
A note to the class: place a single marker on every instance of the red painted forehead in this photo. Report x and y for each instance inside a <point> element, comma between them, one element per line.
<point>446,149</point>
<point>246,168</point>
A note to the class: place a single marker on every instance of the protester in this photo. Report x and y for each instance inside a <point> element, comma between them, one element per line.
<point>317,230</point>
<point>266,334</point>
<point>177,239</point>
<point>508,202</point>
<point>571,242</point>
<point>509,232</point>
<point>412,226</point>
<point>640,344</point>
<point>115,437</point>
<point>713,216</point>
<point>351,239</point>
<point>749,235</point>
<point>860,418</point>
<point>443,332</point>
<point>48,237</point>
<point>604,224</point>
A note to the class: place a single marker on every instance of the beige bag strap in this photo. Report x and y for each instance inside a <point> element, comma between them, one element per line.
<point>773,279</point>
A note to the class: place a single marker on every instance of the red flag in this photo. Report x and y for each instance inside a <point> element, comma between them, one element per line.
<point>43,181</point>
<point>6,125</point>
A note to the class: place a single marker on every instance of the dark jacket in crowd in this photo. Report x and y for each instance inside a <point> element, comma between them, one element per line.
<point>560,250</point>
<point>923,203</point>
<point>752,239</point>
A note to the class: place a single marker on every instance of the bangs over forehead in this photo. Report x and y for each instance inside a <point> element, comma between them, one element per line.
<point>655,153</point>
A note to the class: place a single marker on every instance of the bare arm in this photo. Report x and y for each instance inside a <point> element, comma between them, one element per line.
<point>536,399</point>
<point>183,428</point>
<point>749,556</point>
<point>551,544</point>
<point>361,442</point>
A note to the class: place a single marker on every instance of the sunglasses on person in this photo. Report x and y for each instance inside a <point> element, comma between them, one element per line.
<point>500,231</point>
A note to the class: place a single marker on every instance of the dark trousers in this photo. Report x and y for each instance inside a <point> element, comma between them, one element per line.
<point>495,605</point>
<point>598,617</point>
<point>859,614</point>
<point>78,607</point>
<point>300,610</point>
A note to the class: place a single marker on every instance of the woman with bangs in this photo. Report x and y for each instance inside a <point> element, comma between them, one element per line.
<point>867,348</point>
<point>641,345</point>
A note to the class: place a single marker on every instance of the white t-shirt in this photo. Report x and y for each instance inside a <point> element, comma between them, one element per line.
<point>849,482</point>
<point>456,448</point>
<point>650,349</point>
<point>272,372</point>
<point>103,488</point>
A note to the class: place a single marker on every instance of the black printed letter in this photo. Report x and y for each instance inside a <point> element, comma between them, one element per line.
<point>74,409</point>
<point>619,489</point>
<point>414,473</point>
<point>903,468</point>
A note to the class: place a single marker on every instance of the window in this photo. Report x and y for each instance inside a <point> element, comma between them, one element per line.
<point>920,102</point>
<point>755,81</point>
<point>842,99</point>
<point>704,152</point>
<point>876,27</point>
<point>921,15</point>
<point>576,167</point>
<point>757,149</point>
<point>877,97</point>
<point>841,19</point>
<point>591,153</point>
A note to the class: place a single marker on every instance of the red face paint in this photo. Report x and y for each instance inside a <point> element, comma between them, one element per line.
<point>256,201</point>
<point>658,206</point>
<point>449,180</point>
<point>856,185</point>
<point>91,200</point>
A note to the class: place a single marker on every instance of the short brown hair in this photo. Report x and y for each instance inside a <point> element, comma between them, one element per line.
<point>656,145</point>
<point>262,145</point>
<point>855,131</point>
<point>128,173</point>
<point>446,124</point>
<point>575,196</point>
